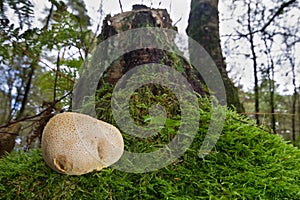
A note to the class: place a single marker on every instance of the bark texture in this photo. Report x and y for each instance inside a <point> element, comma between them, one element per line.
<point>203,27</point>
<point>142,16</point>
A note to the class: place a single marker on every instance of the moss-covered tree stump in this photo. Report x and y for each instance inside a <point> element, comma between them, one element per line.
<point>140,17</point>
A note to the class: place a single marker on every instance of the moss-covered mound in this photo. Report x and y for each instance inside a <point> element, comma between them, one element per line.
<point>246,163</point>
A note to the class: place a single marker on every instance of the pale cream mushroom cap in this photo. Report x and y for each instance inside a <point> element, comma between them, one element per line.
<point>76,144</point>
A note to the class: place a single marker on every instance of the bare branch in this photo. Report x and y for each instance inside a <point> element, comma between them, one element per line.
<point>56,77</point>
<point>51,106</point>
<point>120,3</point>
<point>39,60</point>
<point>276,14</point>
<point>9,133</point>
<point>267,24</point>
<point>178,21</point>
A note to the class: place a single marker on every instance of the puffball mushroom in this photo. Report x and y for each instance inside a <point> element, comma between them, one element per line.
<point>76,144</point>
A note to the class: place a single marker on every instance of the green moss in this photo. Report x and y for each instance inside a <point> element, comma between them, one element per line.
<point>246,163</point>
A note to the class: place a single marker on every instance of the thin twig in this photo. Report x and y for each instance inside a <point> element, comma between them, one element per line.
<point>39,60</point>
<point>49,17</point>
<point>277,13</point>
<point>98,24</point>
<point>6,132</point>
<point>37,115</point>
<point>121,5</point>
<point>178,21</point>
<point>56,77</point>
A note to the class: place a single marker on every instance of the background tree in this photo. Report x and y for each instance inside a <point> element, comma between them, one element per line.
<point>38,64</point>
<point>291,59</point>
<point>265,26</point>
<point>204,28</point>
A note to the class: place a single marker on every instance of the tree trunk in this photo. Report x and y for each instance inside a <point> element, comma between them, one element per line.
<point>294,102</point>
<point>298,112</point>
<point>255,67</point>
<point>270,75</point>
<point>203,27</point>
<point>272,103</point>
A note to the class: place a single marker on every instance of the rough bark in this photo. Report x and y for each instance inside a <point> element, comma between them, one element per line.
<point>203,27</point>
<point>140,17</point>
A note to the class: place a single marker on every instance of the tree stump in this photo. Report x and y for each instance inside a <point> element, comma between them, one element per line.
<point>140,17</point>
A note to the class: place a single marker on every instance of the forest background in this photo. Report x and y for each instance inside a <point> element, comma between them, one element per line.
<point>41,56</point>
